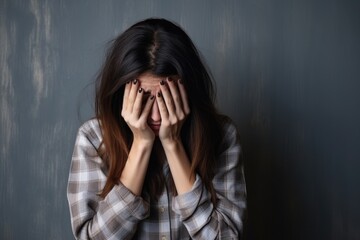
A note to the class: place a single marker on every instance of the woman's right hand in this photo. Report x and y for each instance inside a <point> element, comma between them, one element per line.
<point>135,113</point>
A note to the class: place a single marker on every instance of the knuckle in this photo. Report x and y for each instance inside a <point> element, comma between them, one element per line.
<point>166,123</point>
<point>181,115</point>
<point>125,116</point>
<point>173,119</point>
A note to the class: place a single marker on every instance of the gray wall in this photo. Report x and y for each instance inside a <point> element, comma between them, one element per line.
<point>287,72</point>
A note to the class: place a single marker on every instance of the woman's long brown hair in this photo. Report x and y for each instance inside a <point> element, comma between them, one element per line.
<point>162,48</point>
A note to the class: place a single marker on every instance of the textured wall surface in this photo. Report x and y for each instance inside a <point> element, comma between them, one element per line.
<point>287,72</point>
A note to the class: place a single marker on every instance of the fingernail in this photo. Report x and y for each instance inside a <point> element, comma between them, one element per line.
<point>169,79</point>
<point>127,82</point>
<point>180,81</point>
<point>159,94</point>
<point>162,82</point>
<point>135,81</point>
<point>140,90</point>
<point>152,97</point>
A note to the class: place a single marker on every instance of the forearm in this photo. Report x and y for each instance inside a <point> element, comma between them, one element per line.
<point>134,172</point>
<point>180,167</point>
<point>224,220</point>
<point>203,220</point>
<point>116,216</point>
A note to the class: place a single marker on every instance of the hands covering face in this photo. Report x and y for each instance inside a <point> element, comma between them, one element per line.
<point>173,107</point>
<point>133,112</point>
<point>172,104</point>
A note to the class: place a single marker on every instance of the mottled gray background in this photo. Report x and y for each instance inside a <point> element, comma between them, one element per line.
<point>287,72</point>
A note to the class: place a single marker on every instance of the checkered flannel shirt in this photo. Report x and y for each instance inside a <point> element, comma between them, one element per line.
<point>123,215</point>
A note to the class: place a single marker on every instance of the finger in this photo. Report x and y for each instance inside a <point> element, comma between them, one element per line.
<point>138,104</point>
<point>126,95</point>
<point>147,108</point>
<point>175,95</point>
<point>162,107</point>
<point>184,98</point>
<point>166,96</point>
<point>132,95</point>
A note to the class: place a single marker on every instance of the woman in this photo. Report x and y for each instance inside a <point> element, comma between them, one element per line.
<point>158,161</point>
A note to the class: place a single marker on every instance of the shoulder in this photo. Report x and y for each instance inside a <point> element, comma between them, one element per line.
<point>91,125</point>
<point>229,129</point>
<point>230,135</point>
<point>90,133</point>
<point>230,158</point>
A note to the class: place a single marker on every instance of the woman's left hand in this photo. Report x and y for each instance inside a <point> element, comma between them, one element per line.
<point>174,108</point>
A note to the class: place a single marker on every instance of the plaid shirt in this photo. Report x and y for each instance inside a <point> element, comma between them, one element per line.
<point>122,215</point>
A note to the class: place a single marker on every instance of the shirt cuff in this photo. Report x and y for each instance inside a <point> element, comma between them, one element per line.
<point>186,204</point>
<point>128,204</point>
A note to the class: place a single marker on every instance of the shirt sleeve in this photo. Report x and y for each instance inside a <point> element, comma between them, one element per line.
<point>92,217</point>
<point>202,219</point>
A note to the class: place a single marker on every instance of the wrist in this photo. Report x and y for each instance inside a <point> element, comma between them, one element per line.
<point>171,145</point>
<point>143,143</point>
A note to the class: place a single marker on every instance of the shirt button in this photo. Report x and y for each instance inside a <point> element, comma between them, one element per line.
<point>162,209</point>
<point>163,238</point>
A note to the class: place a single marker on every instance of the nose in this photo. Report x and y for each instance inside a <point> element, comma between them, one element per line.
<point>154,116</point>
